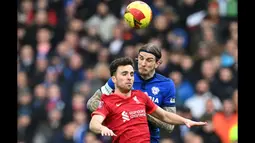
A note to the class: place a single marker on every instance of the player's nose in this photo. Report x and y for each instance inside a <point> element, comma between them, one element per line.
<point>143,63</point>
<point>129,77</point>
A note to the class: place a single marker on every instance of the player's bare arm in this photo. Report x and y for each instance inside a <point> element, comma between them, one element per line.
<point>94,101</point>
<point>157,122</point>
<point>97,127</point>
<point>172,118</point>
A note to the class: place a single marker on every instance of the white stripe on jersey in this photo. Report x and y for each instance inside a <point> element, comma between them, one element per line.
<point>106,89</point>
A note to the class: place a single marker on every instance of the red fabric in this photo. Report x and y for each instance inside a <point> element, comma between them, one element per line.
<point>52,17</point>
<point>127,36</point>
<point>30,18</point>
<point>126,116</point>
<point>214,4</point>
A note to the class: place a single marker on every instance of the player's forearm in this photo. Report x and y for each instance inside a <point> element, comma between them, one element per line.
<point>161,124</point>
<point>158,123</point>
<point>173,118</point>
<point>96,126</point>
<point>94,101</point>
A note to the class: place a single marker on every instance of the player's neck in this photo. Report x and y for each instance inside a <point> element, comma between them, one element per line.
<point>148,76</point>
<point>127,94</point>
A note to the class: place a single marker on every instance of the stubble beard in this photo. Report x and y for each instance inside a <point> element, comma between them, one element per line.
<point>124,89</point>
<point>147,75</point>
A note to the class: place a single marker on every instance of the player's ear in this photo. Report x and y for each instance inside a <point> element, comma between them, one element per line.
<point>114,79</point>
<point>158,63</point>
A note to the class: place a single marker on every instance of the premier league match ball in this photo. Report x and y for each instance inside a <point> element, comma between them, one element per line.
<point>138,15</point>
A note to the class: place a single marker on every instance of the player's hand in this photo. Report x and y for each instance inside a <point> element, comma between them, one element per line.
<point>189,123</point>
<point>107,132</point>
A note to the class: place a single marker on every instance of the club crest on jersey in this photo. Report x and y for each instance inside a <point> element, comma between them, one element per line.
<point>155,90</point>
<point>136,100</point>
<point>172,100</point>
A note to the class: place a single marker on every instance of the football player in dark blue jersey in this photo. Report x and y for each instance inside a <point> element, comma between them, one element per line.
<point>160,89</point>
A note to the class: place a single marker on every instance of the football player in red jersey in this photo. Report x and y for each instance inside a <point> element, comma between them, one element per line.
<point>123,114</point>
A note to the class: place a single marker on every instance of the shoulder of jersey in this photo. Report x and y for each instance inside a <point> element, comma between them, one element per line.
<point>160,77</point>
<point>105,96</point>
<point>157,78</point>
<point>137,92</point>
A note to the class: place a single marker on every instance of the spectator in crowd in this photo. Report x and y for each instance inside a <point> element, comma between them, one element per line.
<point>224,120</point>
<point>198,101</point>
<point>187,69</point>
<point>184,89</point>
<point>22,82</point>
<point>235,99</point>
<point>224,85</point>
<point>103,21</point>
<point>166,140</point>
<point>27,57</point>
<point>180,131</point>
<point>208,133</point>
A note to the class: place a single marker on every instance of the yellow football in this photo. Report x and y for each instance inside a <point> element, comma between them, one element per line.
<point>138,15</point>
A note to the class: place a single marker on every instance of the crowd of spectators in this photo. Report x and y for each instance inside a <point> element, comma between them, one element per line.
<point>65,47</point>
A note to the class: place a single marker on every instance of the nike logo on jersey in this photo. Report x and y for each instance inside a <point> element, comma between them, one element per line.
<point>118,104</point>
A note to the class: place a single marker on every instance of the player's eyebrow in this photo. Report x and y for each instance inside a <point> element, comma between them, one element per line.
<point>125,72</point>
<point>147,58</point>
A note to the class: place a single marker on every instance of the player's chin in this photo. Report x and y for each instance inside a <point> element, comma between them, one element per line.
<point>143,71</point>
<point>129,87</point>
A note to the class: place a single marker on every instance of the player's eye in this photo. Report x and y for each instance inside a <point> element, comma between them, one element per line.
<point>141,58</point>
<point>149,60</point>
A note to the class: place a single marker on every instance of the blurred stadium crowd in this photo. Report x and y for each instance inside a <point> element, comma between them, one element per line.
<point>65,46</point>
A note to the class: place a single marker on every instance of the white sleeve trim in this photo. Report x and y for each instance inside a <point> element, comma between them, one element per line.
<point>106,89</point>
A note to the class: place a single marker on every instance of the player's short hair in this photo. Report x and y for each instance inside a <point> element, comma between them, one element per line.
<point>123,61</point>
<point>152,49</point>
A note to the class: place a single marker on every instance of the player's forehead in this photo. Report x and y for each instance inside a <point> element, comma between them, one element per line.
<point>126,68</point>
<point>146,55</point>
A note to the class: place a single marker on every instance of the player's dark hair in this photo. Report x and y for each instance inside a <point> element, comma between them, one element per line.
<point>152,49</point>
<point>123,61</point>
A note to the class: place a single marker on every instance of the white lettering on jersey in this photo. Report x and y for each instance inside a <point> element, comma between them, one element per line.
<point>133,114</point>
<point>137,113</point>
<point>154,99</point>
<point>125,116</point>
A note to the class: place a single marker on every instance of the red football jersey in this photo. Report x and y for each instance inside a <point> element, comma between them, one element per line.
<point>126,116</point>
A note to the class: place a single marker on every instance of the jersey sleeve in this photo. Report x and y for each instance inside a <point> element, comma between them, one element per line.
<point>102,109</point>
<point>108,87</point>
<point>150,105</point>
<point>169,97</point>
